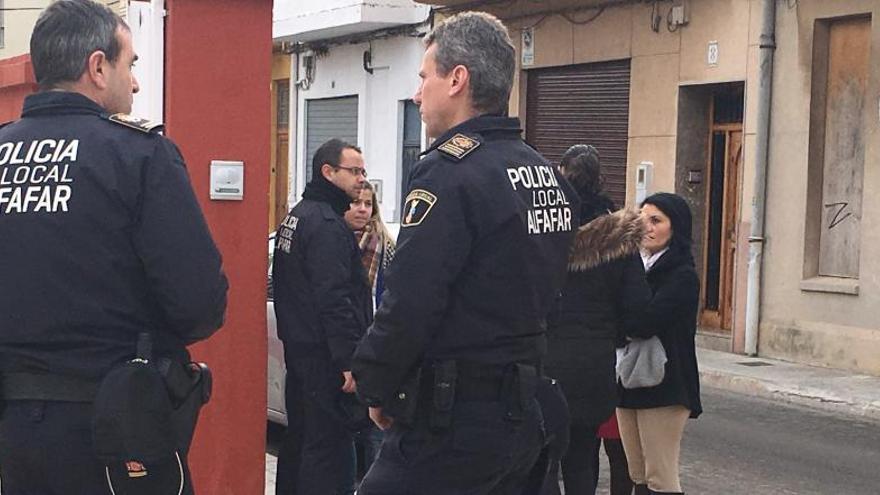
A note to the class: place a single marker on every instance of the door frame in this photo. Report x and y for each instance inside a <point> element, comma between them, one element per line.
<point>722,319</point>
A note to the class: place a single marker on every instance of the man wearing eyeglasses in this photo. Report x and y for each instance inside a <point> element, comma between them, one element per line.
<point>322,305</point>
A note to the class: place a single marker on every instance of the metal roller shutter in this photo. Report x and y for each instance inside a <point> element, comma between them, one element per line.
<point>582,104</point>
<point>326,119</point>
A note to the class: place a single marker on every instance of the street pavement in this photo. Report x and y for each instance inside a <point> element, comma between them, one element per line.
<point>769,427</point>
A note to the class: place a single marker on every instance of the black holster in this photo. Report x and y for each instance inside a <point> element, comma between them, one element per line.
<point>443,389</point>
<point>518,389</point>
<point>148,408</point>
<point>189,388</point>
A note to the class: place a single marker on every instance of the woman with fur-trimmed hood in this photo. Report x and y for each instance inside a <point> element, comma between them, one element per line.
<point>602,298</point>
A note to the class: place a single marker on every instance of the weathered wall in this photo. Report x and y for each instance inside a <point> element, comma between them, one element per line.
<point>822,326</point>
<point>668,69</point>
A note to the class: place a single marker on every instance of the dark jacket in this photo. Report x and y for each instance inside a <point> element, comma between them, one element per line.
<point>481,254</point>
<point>672,316</point>
<point>602,298</point>
<point>102,238</point>
<point>322,298</point>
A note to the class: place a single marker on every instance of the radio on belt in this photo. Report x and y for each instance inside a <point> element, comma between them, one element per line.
<point>227,180</point>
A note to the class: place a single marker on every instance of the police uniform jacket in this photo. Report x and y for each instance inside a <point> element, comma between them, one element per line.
<point>482,251</point>
<point>322,296</point>
<point>102,238</point>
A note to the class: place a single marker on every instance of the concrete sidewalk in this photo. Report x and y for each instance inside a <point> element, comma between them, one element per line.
<point>831,390</point>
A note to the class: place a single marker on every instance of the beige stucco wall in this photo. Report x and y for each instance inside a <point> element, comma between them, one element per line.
<point>19,24</point>
<point>661,61</point>
<point>829,329</point>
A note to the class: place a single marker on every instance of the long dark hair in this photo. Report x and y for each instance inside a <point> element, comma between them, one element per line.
<point>581,166</point>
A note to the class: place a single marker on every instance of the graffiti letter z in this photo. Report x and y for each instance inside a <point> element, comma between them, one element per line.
<point>838,216</point>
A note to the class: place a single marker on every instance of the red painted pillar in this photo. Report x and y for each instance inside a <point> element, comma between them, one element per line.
<point>16,82</point>
<point>218,57</point>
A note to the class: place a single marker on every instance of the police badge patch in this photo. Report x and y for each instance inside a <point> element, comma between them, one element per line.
<point>459,146</point>
<point>418,205</point>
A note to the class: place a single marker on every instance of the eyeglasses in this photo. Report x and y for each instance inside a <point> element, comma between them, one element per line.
<point>355,171</point>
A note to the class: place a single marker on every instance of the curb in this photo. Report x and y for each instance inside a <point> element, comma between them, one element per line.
<point>811,398</point>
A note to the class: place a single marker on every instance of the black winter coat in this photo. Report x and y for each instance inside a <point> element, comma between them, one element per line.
<point>602,298</point>
<point>671,315</point>
<point>322,297</point>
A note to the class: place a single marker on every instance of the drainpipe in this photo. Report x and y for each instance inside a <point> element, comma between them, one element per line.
<point>756,239</point>
<point>292,168</point>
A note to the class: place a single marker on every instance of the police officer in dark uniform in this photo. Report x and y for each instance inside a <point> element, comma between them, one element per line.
<point>102,240</point>
<point>450,365</point>
<point>322,304</point>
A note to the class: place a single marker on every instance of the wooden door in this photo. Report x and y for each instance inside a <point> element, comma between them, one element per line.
<point>721,236</point>
<point>278,181</point>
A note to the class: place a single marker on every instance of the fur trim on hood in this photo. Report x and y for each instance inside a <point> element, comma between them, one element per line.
<point>606,239</point>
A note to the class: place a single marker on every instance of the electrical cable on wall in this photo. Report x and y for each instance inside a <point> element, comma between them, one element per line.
<point>592,18</point>
<point>655,17</point>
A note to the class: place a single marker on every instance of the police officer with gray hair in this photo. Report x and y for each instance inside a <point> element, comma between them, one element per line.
<point>450,366</point>
<point>103,242</point>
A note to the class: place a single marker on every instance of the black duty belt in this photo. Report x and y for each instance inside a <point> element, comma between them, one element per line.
<point>42,386</point>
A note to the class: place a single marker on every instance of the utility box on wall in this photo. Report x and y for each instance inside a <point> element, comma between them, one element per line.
<point>644,180</point>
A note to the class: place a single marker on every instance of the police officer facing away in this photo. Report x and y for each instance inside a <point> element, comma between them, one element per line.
<point>449,365</point>
<point>102,239</point>
<point>322,305</point>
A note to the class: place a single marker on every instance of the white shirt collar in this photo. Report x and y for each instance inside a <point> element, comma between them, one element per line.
<point>649,259</point>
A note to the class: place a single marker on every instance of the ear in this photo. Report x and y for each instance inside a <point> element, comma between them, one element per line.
<point>460,79</point>
<point>327,171</point>
<point>96,66</point>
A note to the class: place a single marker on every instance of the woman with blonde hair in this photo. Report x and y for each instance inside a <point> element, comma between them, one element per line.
<point>376,243</point>
<point>377,250</point>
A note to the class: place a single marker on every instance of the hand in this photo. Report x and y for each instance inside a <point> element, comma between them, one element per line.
<point>349,386</point>
<point>382,421</point>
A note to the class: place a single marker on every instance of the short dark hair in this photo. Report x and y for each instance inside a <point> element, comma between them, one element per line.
<point>330,153</point>
<point>66,34</point>
<point>480,42</point>
<point>581,166</point>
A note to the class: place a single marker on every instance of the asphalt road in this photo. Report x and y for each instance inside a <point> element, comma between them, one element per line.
<point>749,446</point>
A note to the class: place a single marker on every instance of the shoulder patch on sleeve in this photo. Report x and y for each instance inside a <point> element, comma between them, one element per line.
<point>418,204</point>
<point>459,146</point>
<point>136,123</point>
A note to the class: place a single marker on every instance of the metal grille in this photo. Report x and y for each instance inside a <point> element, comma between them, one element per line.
<point>282,108</point>
<point>583,104</point>
<point>326,119</point>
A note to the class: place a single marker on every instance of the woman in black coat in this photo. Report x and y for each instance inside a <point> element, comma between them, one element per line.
<point>652,419</point>
<point>602,297</point>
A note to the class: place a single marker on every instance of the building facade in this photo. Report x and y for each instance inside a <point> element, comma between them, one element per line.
<point>353,72</point>
<point>668,91</point>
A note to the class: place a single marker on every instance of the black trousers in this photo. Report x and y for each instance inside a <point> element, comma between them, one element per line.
<point>317,456</point>
<point>580,465</point>
<point>480,453</point>
<point>46,449</point>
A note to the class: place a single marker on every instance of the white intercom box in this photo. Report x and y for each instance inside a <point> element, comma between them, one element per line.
<point>227,180</point>
<point>644,180</point>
